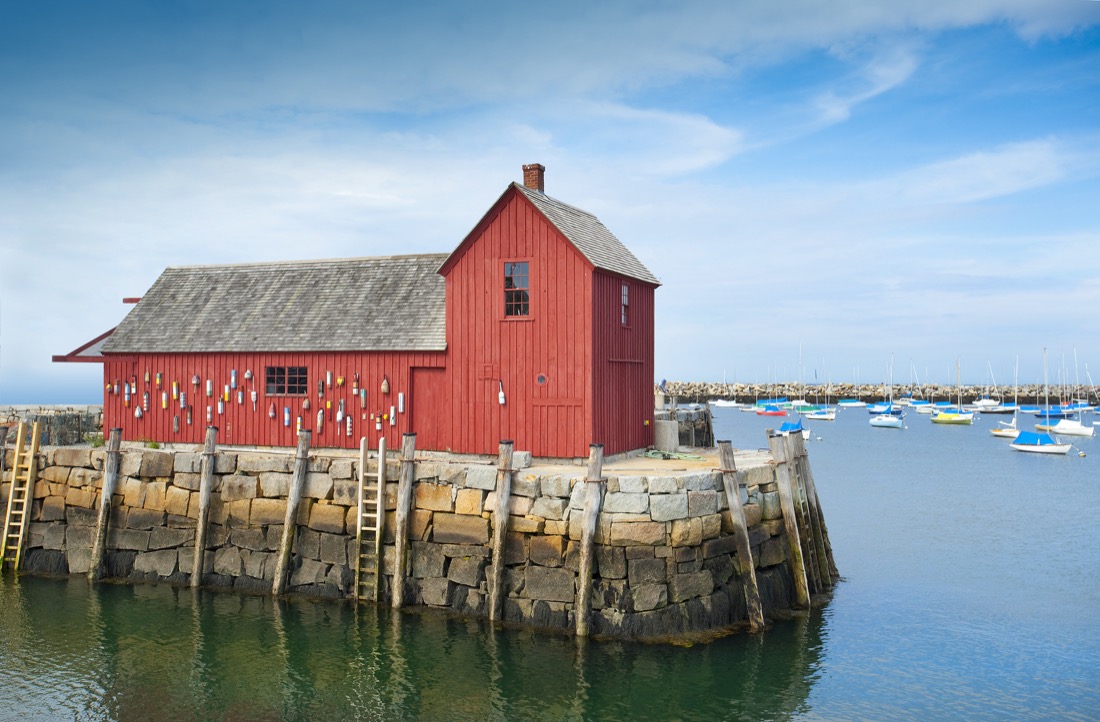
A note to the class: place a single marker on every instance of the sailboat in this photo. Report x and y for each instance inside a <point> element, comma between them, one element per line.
<point>886,419</point>
<point>1007,429</point>
<point>995,405</point>
<point>954,415</point>
<point>1040,442</point>
<point>1067,427</point>
<point>821,413</point>
<point>794,427</point>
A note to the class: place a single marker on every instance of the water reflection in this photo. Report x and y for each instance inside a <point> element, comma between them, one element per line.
<point>118,652</point>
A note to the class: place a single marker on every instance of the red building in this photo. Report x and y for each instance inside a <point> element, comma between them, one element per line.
<point>538,327</point>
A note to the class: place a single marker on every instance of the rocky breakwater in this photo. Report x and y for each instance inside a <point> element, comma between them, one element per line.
<point>703,391</point>
<point>665,560</point>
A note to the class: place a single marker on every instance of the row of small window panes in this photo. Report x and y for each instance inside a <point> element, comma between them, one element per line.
<point>286,380</point>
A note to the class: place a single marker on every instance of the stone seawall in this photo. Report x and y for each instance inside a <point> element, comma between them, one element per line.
<point>665,560</point>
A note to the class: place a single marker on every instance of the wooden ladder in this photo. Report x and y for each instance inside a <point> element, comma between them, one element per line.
<point>24,472</point>
<point>371,521</point>
<point>805,523</point>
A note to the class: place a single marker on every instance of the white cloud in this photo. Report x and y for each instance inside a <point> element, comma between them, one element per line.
<point>987,174</point>
<point>885,71</point>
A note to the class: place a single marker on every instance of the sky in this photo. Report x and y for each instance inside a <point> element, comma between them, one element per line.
<point>821,187</point>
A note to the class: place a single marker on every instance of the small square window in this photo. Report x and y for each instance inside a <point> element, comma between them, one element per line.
<point>517,302</point>
<point>285,380</point>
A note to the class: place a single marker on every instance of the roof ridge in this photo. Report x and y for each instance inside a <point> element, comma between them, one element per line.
<point>552,199</point>
<point>308,261</point>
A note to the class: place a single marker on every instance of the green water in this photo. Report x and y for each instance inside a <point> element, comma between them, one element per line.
<point>971,591</point>
<point>130,653</point>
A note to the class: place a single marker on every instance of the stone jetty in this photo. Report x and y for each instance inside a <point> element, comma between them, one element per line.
<point>703,391</point>
<point>670,558</point>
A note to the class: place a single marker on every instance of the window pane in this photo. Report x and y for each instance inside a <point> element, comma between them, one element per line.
<point>516,298</point>
<point>275,379</point>
<point>296,382</point>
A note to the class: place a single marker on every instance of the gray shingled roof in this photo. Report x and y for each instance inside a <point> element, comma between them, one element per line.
<point>394,303</point>
<point>591,238</point>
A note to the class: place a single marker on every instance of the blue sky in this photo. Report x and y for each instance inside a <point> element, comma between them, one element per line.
<point>858,180</point>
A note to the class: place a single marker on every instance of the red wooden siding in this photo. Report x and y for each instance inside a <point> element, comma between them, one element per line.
<point>239,422</point>
<point>430,408</point>
<point>622,364</point>
<point>572,372</point>
<point>485,347</point>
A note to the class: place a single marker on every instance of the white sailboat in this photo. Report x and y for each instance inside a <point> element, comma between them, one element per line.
<point>1067,427</point>
<point>887,420</point>
<point>1006,429</point>
<point>1040,442</point>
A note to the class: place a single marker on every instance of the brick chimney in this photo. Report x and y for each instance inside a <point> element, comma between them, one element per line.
<point>533,177</point>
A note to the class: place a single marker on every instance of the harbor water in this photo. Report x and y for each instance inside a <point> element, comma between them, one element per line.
<point>971,590</point>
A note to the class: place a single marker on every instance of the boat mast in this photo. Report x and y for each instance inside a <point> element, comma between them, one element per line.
<point>1046,384</point>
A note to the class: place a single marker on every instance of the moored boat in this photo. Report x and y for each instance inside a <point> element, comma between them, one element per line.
<point>794,427</point>
<point>954,415</point>
<point>1038,443</point>
<point>888,421</point>
<point>1067,427</point>
<point>770,410</point>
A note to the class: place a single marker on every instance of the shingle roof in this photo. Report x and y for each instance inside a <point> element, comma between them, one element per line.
<point>393,303</point>
<point>591,238</point>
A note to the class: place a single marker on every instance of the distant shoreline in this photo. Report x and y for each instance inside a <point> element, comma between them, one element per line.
<point>701,392</point>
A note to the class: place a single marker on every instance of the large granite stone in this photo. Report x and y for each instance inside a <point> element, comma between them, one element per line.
<point>649,596</point>
<point>460,529</point>
<point>548,584</point>
<point>328,518</point>
<point>682,587</point>
<point>666,507</point>
<point>547,551</point>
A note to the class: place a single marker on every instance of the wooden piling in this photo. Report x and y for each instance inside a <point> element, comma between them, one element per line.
<point>815,508</point>
<point>741,537</point>
<point>816,522</point>
<point>290,521</point>
<point>401,530</point>
<point>206,486</point>
<point>802,515</point>
<point>500,527</point>
<point>778,447</point>
<point>594,484</point>
<point>110,480</point>
<point>3,450</point>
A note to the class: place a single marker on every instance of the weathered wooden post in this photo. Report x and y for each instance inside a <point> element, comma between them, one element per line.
<point>404,506</point>
<point>290,521</point>
<point>500,527</point>
<point>802,514</point>
<point>741,537</point>
<point>817,522</point>
<point>3,450</point>
<point>778,447</point>
<point>815,506</point>
<point>110,479</point>
<point>594,484</point>
<point>206,485</point>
